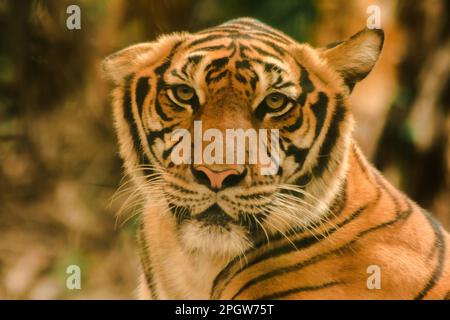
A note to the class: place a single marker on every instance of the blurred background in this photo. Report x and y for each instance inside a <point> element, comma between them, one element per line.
<point>59,164</point>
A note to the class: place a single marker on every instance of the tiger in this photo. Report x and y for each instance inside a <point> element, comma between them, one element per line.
<point>325,225</point>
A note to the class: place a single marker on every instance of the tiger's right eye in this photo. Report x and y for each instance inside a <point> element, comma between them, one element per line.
<point>183,93</point>
<point>276,101</point>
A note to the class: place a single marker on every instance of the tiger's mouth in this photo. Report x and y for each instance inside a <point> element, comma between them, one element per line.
<point>214,216</point>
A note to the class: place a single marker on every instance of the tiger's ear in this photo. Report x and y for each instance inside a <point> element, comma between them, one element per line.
<point>122,63</point>
<point>355,57</point>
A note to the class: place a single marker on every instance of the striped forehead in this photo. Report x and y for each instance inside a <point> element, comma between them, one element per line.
<point>250,59</point>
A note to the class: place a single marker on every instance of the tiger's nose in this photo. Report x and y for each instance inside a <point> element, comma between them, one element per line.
<point>217,180</point>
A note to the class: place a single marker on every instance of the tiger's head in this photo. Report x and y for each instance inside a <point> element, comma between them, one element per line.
<point>240,75</point>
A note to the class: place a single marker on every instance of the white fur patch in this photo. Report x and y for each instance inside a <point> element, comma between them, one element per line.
<point>214,240</point>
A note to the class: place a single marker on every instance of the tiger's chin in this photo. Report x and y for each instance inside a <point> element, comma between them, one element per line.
<point>222,241</point>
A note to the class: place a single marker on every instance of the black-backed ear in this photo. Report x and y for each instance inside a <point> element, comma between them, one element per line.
<point>355,57</point>
<point>122,63</point>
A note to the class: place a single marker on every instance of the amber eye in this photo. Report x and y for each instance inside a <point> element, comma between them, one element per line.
<point>276,101</point>
<point>183,93</point>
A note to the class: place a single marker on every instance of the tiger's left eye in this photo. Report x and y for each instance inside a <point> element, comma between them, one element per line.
<point>183,93</point>
<point>276,101</point>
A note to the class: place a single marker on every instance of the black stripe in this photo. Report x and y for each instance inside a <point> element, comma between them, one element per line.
<point>177,75</point>
<point>286,115</point>
<point>242,49</point>
<point>166,153</point>
<point>159,134</point>
<point>278,81</point>
<point>298,153</point>
<point>128,115</point>
<point>242,64</point>
<point>304,179</point>
<point>274,46</point>
<point>447,296</point>
<point>192,60</point>
<point>195,59</point>
<point>270,36</point>
<point>286,84</point>
<point>265,53</point>
<point>285,293</point>
<point>146,262</point>
<point>210,48</point>
<point>245,65</point>
<point>268,67</point>
<point>240,78</point>
<point>253,196</point>
<point>302,153</point>
<point>160,111</point>
<point>175,107</point>
<point>340,200</point>
<point>142,89</point>
<point>180,213</point>
<point>228,29</point>
<point>183,189</point>
<point>239,33</point>
<point>254,80</point>
<point>159,71</point>
<point>205,39</point>
<point>320,108</point>
<point>214,67</point>
<point>265,30</point>
<point>296,125</point>
<point>331,137</point>
<point>377,178</point>
<point>320,111</point>
<point>218,64</point>
<point>306,85</point>
<point>132,125</point>
<point>439,243</point>
<point>382,183</point>
<point>359,160</point>
<point>211,79</point>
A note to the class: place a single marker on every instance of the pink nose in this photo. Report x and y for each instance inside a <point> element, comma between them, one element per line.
<point>216,178</point>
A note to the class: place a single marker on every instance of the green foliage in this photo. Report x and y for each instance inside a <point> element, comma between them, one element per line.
<point>294,17</point>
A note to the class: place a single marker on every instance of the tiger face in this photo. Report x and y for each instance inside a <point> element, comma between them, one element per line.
<point>238,76</point>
